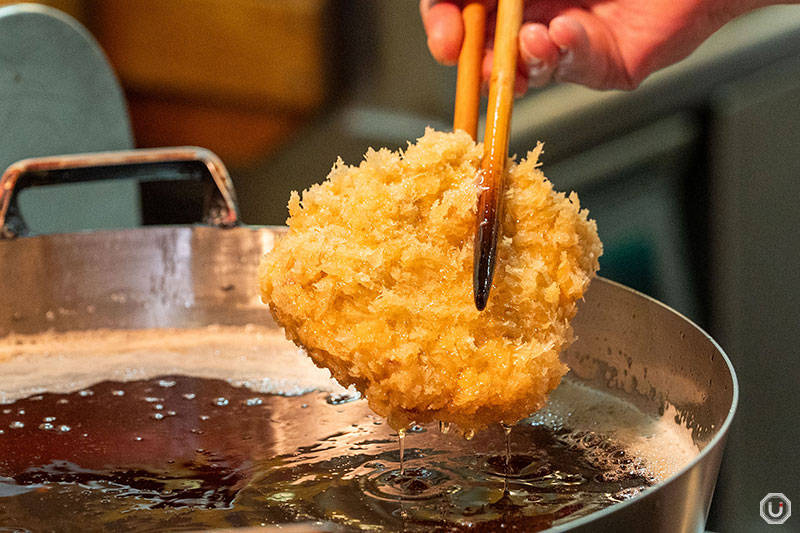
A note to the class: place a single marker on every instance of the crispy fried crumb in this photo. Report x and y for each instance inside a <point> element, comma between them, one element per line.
<point>374,280</point>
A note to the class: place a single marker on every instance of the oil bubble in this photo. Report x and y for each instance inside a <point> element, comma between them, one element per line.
<point>344,397</point>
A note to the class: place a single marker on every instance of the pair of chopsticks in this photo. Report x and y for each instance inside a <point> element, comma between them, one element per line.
<point>498,122</point>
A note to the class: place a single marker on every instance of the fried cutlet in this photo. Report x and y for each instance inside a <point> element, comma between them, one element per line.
<point>374,280</point>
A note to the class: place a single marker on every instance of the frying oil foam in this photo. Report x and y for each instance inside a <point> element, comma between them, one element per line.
<point>256,357</point>
<point>664,446</point>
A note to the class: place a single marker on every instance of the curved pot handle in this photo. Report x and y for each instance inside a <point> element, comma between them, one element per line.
<point>151,164</point>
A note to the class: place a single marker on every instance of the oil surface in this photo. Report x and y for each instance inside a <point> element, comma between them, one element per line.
<point>177,452</point>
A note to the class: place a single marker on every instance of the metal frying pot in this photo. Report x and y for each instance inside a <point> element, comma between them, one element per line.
<point>191,276</point>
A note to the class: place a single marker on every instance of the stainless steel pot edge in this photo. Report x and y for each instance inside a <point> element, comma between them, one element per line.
<point>713,446</point>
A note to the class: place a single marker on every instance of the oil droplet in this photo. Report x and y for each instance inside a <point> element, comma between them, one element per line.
<point>86,393</point>
<point>444,427</point>
<point>204,417</point>
<point>63,428</point>
<point>166,383</point>
<point>416,428</point>
<point>47,426</point>
<point>253,401</point>
<point>49,419</point>
<point>304,406</point>
<point>118,392</point>
<point>6,411</point>
<point>157,416</point>
<point>16,424</point>
<point>63,401</point>
<point>222,402</point>
<point>171,413</point>
<point>158,407</point>
<point>137,438</point>
<point>190,396</point>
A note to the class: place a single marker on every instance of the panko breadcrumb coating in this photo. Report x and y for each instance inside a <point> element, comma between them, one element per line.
<point>374,280</point>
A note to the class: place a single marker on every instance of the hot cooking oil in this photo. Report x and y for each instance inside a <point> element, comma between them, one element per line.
<point>178,452</point>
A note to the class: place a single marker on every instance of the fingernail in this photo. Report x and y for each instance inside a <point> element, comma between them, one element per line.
<point>566,55</point>
<point>535,69</point>
<point>535,66</point>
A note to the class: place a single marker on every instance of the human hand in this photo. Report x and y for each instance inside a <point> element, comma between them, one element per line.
<point>603,44</point>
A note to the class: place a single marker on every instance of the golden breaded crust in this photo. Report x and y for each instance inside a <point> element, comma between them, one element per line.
<point>374,280</point>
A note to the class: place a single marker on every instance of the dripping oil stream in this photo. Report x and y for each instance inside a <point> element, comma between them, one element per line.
<point>507,435</point>
<point>401,441</point>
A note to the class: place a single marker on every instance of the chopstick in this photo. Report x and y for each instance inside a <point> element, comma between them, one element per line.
<point>495,154</point>
<point>470,59</point>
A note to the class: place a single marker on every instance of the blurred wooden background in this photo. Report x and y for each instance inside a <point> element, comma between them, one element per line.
<point>234,76</point>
